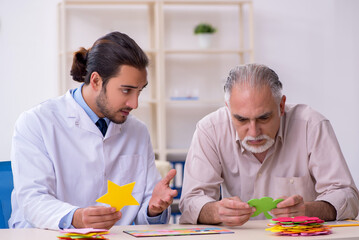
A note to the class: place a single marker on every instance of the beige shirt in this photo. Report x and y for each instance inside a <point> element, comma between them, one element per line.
<point>306,159</point>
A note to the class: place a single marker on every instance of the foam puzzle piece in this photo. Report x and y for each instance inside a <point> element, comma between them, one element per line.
<point>83,230</point>
<point>298,226</point>
<point>83,233</point>
<point>299,219</point>
<point>264,205</point>
<point>118,196</point>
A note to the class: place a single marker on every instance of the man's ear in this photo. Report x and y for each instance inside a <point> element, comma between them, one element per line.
<point>96,81</point>
<point>282,105</point>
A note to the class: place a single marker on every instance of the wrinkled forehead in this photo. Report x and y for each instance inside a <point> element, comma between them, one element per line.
<point>247,99</point>
<point>253,92</point>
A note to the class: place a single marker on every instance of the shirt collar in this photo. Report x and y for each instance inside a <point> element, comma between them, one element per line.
<point>77,95</point>
<point>239,143</point>
<point>280,133</point>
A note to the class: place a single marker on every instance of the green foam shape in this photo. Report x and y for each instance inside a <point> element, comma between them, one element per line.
<point>264,205</point>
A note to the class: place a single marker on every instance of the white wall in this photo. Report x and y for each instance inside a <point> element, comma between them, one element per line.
<point>312,45</point>
<point>28,60</point>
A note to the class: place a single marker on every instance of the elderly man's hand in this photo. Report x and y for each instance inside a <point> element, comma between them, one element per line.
<point>233,212</point>
<point>295,206</point>
<point>162,195</point>
<point>290,207</point>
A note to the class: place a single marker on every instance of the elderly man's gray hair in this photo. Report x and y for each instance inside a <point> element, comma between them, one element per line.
<point>253,75</point>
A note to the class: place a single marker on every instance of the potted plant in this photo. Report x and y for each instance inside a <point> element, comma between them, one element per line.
<point>204,31</point>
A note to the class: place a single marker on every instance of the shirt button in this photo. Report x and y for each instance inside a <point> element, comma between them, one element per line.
<point>291,180</point>
<point>259,174</point>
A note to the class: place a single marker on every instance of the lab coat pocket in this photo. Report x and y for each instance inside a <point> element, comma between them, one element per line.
<point>127,169</point>
<point>289,186</point>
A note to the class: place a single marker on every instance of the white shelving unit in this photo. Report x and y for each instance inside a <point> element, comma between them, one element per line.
<point>178,67</point>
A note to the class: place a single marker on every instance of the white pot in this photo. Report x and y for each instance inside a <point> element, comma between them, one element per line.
<point>204,40</point>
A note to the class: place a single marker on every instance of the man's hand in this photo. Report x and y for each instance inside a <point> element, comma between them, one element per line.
<point>290,207</point>
<point>233,212</point>
<point>295,206</point>
<point>96,217</point>
<point>162,195</point>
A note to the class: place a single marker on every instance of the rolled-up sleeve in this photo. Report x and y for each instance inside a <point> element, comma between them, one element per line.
<point>202,176</point>
<point>334,182</point>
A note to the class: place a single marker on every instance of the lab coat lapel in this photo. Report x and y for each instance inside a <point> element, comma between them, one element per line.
<point>113,129</point>
<point>77,117</point>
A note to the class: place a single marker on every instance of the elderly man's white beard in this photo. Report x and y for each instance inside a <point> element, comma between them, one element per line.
<point>269,142</point>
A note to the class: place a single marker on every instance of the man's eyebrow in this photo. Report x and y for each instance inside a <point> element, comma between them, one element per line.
<point>129,86</point>
<point>238,117</point>
<point>133,87</point>
<point>265,115</point>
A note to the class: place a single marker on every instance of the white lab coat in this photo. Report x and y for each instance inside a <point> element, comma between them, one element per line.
<point>61,161</point>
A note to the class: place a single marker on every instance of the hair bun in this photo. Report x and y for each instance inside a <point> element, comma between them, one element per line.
<point>78,69</point>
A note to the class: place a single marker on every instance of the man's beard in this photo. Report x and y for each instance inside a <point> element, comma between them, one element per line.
<point>262,148</point>
<point>102,105</point>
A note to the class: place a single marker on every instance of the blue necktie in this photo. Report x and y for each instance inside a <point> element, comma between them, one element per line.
<point>102,125</point>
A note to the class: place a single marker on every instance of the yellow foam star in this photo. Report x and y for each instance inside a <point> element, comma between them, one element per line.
<point>118,196</point>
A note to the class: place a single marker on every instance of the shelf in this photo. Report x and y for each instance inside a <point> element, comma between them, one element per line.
<point>177,151</point>
<point>204,2</point>
<point>149,101</point>
<point>194,102</point>
<point>207,51</point>
<point>164,30</point>
<point>172,151</point>
<point>71,52</point>
<point>96,3</point>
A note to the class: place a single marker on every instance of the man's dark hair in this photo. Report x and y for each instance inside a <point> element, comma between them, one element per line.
<point>106,57</point>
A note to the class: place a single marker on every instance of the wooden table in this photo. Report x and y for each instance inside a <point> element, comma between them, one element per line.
<point>252,230</point>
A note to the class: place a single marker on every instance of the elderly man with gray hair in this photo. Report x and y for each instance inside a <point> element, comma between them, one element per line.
<point>259,146</point>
